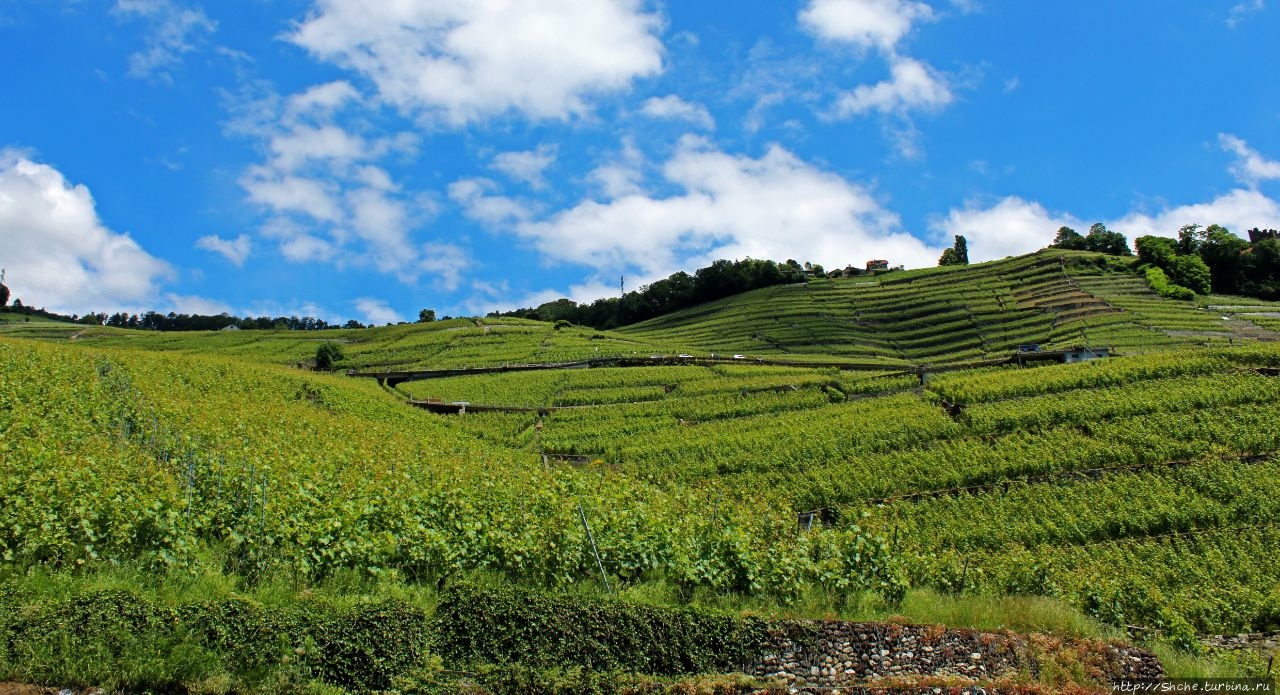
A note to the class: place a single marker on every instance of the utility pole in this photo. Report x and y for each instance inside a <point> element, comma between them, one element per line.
<point>622,285</point>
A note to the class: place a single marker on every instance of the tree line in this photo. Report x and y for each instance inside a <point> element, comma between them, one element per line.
<point>721,279</point>
<point>155,321</point>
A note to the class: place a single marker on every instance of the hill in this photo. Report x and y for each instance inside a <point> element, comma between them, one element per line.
<point>935,316</point>
<point>204,477</point>
<point>952,314</point>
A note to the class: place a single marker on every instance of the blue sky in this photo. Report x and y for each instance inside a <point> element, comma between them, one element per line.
<point>345,159</point>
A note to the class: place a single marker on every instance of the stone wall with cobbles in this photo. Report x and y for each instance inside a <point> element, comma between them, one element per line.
<point>815,656</point>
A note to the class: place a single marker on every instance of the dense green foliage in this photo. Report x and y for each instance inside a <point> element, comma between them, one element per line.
<point>124,641</point>
<point>328,354</point>
<point>1099,240</point>
<point>487,624</point>
<point>1165,287</point>
<point>720,279</point>
<point>958,254</point>
<point>1214,257</point>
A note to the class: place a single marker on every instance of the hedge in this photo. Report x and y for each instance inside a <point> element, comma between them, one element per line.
<point>475,624</point>
<point>123,640</point>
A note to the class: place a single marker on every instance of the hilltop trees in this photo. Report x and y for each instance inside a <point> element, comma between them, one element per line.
<point>1171,274</point>
<point>1099,239</point>
<point>1069,238</point>
<point>1104,240</point>
<point>1260,269</point>
<point>720,279</point>
<point>1212,258</point>
<point>4,296</point>
<point>958,254</point>
<point>426,316</point>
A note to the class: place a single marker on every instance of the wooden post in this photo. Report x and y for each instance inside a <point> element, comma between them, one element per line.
<point>583,515</point>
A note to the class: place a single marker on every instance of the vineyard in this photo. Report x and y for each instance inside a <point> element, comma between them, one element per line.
<point>1142,491</point>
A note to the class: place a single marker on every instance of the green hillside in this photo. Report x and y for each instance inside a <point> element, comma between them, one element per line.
<point>954,314</point>
<point>209,470</point>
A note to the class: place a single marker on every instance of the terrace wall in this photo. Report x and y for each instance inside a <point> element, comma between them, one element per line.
<point>814,656</point>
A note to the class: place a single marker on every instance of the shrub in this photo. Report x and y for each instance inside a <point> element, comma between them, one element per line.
<point>327,354</point>
<point>1164,287</point>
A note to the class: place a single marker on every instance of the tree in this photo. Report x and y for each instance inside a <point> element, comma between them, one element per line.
<point>1156,250</point>
<point>352,323</point>
<point>1104,240</point>
<point>1221,251</point>
<point>1260,269</point>
<point>1069,238</point>
<point>1189,238</point>
<point>1191,273</point>
<point>426,316</point>
<point>327,354</point>
<point>958,254</point>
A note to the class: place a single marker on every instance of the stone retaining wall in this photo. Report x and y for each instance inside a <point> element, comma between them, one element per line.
<point>815,656</point>
<point>1262,641</point>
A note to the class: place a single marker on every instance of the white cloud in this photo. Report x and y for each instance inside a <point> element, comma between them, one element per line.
<point>327,198</point>
<point>174,30</point>
<point>865,23</point>
<point>445,261</point>
<point>622,174</point>
<point>285,193</point>
<point>234,250</point>
<point>617,180</point>
<point>1250,167</point>
<point>376,311</point>
<point>475,197</point>
<point>57,251</point>
<point>1242,10</point>
<point>912,85</point>
<point>1015,226</point>
<point>304,248</point>
<point>322,99</point>
<point>191,304</point>
<point>527,165</point>
<point>776,206</point>
<point>1238,211</point>
<point>468,61</point>
<point>1011,227</point>
<point>673,107</point>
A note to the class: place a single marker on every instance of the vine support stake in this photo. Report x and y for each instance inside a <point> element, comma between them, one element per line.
<point>262,509</point>
<point>583,515</point>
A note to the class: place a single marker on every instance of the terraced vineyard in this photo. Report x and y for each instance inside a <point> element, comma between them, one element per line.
<point>1055,299</point>
<point>1140,490</point>
<point>990,470</point>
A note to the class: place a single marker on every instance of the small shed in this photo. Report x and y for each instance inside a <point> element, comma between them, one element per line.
<point>1067,356</point>
<point>877,264</point>
<point>1084,354</point>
